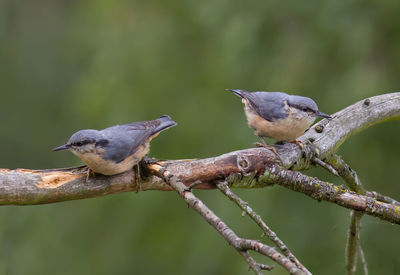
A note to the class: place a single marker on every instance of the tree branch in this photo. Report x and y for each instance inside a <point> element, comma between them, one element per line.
<point>241,245</point>
<point>24,186</point>
<point>258,220</point>
<point>353,242</point>
<point>328,135</point>
<point>321,190</point>
<point>250,168</point>
<point>353,237</point>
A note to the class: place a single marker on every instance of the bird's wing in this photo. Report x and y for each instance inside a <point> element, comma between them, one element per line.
<point>269,105</point>
<point>125,139</point>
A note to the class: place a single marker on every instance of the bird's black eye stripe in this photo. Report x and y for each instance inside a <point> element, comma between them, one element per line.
<point>81,143</point>
<point>102,142</point>
<point>303,108</point>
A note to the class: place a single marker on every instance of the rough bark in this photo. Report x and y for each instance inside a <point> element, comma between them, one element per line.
<point>250,168</point>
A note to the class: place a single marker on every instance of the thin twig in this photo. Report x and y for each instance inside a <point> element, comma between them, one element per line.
<point>227,233</point>
<point>325,165</point>
<point>253,265</point>
<point>353,239</point>
<point>382,198</point>
<point>353,242</point>
<point>363,260</point>
<point>223,186</point>
<point>347,174</point>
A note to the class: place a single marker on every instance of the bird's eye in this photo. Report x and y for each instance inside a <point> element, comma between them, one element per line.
<point>102,142</point>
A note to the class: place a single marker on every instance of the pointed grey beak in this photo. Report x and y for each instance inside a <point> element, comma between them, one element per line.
<point>62,147</point>
<point>237,92</point>
<point>320,114</point>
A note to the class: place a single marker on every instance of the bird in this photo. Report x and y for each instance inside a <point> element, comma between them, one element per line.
<point>278,115</point>
<point>116,149</point>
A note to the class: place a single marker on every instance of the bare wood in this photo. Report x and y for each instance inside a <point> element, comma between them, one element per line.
<point>47,186</point>
<point>24,186</point>
<point>250,168</point>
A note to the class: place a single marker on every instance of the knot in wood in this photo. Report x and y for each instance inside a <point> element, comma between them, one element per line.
<point>243,164</point>
<point>367,102</point>
<point>319,128</point>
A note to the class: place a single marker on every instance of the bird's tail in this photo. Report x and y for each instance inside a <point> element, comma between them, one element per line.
<point>241,93</point>
<point>166,122</point>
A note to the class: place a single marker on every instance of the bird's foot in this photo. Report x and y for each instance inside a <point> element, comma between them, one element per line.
<point>88,172</point>
<point>298,143</point>
<point>267,146</point>
<point>258,144</point>
<point>138,179</point>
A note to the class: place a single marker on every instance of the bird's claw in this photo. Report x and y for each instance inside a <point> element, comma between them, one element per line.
<point>258,144</point>
<point>88,172</point>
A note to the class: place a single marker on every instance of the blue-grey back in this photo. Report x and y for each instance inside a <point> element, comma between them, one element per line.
<point>269,105</point>
<point>123,140</point>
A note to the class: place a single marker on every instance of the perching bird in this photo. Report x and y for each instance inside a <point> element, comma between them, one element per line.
<point>118,148</point>
<point>278,115</point>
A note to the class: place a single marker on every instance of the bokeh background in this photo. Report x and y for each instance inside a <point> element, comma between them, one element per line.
<point>68,65</point>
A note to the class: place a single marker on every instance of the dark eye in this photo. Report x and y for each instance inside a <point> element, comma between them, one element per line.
<point>102,143</point>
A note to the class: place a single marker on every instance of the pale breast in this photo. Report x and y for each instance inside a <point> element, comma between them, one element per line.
<point>287,129</point>
<point>107,167</point>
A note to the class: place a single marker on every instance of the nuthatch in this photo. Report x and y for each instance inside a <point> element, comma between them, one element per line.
<point>118,148</point>
<point>278,115</point>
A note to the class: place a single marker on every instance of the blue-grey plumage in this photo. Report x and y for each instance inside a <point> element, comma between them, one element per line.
<point>118,148</point>
<point>278,115</point>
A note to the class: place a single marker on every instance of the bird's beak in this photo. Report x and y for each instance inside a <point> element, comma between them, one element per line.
<point>320,114</point>
<point>62,147</point>
<point>236,92</point>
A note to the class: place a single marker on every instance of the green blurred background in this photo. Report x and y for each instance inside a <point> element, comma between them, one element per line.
<point>68,65</point>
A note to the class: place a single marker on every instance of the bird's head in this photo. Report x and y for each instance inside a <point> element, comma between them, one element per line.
<point>83,141</point>
<point>306,105</point>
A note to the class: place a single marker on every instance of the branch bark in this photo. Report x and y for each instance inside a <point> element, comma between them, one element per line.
<point>24,186</point>
<point>258,220</point>
<point>240,244</point>
<point>250,168</point>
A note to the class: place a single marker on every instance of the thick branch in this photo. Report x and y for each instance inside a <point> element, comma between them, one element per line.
<point>24,186</point>
<point>46,186</point>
